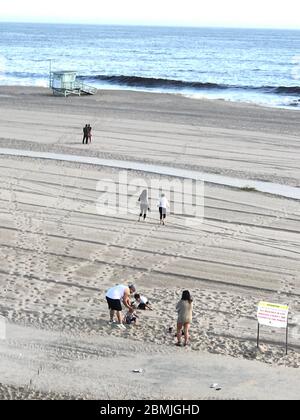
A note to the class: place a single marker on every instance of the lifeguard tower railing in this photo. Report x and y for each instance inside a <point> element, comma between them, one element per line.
<point>65,83</point>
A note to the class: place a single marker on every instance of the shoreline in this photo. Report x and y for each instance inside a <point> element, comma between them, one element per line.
<point>193,96</point>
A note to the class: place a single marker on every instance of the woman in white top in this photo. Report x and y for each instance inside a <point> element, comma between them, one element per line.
<point>163,204</point>
<point>144,204</point>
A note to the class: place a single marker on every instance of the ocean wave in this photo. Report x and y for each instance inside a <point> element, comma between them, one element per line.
<point>162,83</point>
<point>151,82</point>
<point>288,90</point>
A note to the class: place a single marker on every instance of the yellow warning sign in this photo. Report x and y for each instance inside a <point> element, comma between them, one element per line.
<point>273,314</point>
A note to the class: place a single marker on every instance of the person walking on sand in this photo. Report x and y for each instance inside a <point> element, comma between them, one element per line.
<point>85,134</point>
<point>184,309</point>
<point>115,296</point>
<point>163,204</point>
<point>89,133</point>
<point>144,204</point>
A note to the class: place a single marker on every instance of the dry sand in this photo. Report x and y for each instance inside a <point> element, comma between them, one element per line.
<point>58,255</point>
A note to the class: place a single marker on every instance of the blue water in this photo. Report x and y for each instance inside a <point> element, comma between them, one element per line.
<point>249,65</point>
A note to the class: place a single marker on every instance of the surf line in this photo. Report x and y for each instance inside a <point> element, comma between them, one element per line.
<point>260,186</point>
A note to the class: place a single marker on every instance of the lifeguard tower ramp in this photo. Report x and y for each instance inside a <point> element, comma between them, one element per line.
<point>65,83</point>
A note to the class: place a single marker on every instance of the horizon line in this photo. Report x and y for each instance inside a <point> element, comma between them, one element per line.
<point>152,24</point>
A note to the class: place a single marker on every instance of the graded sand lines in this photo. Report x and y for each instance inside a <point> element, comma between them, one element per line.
<point>61,256</point>
<point>59,253</point>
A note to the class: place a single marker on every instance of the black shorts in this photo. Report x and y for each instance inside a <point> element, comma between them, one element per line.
<point>114,304</point>
<point>142,306</point>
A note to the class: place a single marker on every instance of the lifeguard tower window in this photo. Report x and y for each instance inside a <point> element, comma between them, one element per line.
<point>65,83</point>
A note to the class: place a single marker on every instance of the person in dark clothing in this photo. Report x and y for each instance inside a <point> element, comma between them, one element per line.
<point>89,131</point>
<point>85,134</point>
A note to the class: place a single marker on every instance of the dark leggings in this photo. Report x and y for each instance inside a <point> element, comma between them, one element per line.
<point>162,213</point>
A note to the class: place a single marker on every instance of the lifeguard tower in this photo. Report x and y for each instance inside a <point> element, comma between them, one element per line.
<point>65,83</point>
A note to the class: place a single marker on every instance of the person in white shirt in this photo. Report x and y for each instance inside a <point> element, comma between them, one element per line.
<point>142,302</point>
<point>163,205</point>
<point>115,296</point>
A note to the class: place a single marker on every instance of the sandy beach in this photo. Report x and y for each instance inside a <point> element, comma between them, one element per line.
<point>59,255</point>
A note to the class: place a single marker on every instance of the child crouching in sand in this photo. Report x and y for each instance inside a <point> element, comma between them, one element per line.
<point>142,302</point>
<point>131,317</point>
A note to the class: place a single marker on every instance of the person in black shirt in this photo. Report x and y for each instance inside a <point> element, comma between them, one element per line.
<point>85,134</point>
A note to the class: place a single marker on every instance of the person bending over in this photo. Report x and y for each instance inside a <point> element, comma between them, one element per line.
<point>115,296</point>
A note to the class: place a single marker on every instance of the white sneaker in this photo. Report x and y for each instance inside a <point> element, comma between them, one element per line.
<point>112,322</point>
<point>122,327</point>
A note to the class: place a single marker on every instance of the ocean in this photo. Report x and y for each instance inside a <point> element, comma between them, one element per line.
<point>244,65</point>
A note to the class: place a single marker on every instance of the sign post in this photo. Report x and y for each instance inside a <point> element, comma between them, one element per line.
<point>272,315</point>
